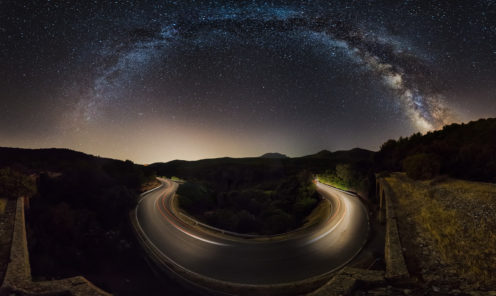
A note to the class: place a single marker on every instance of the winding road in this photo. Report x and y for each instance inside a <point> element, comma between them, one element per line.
<point>320,250</point>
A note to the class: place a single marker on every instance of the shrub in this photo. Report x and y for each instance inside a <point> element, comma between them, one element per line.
<point>195,198</point>
<point>14,184</point>
<point>248,209</point>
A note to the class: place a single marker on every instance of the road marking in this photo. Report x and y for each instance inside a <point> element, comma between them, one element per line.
<point>327,232</point>
<point>175,221</point>
<point>344,204</point>
<point>330,218</point>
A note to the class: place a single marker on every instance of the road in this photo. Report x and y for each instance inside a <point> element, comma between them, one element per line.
<point>323,249</point>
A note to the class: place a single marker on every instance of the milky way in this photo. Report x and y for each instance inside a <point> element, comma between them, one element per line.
<point>400,71</point>
<point>197,79</point>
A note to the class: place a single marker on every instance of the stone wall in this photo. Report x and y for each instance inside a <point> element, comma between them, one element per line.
<point>349,279</point>
<point>18,281</point>
<point>393,254</point>
<point>7,219</point>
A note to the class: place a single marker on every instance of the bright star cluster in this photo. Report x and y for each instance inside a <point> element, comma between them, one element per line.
<point>160,80</point>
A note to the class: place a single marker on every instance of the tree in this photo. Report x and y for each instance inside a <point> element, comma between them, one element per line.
<point>14,184</point>
<point>422,166</point>
<point>345,173</point>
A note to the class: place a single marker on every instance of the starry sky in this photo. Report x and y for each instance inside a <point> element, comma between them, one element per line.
<point>162,80</point>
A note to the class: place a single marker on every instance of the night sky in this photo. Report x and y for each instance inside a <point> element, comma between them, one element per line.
<point>158,81</point>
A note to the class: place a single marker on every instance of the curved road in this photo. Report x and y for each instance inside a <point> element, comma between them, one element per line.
<point>323,249</point>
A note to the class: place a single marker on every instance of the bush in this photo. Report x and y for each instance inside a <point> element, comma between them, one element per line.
<point>247,222</point>
<point>278,222</point>
<point>304,206</point>
<point>248,209</point>
<point>14,184</point>
<point>195,198</point>
<point>348,177</point>
<point>422,166</point>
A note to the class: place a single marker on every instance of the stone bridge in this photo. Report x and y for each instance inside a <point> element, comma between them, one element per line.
<point>18,280</point>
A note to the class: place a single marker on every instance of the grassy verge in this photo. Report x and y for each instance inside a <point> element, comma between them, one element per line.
<point>320,213</point>
<point>3,204</point>
<point>149,185</point>
<point>457,219</point>
<point>177,179</point>
<point>333,184</point>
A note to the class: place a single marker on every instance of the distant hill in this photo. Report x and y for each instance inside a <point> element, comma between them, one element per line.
<point>274,155</point>
<point>258,170</point>
<point>355,154</point>
<point>51,159</point>
<point>66,161</point>
<point>10,155</point>
<point>320,154</point>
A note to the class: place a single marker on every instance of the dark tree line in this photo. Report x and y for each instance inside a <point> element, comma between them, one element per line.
<point>466,151</point>
<point>14,184</point>
<point>258,195</point>
<point>349,177</point>
<point>80,216</point>
<point>78,220</point>
<point>270,207</point>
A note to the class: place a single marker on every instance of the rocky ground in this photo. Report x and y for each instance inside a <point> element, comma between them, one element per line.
<point>448,234</point>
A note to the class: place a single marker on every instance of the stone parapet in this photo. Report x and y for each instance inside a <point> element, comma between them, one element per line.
<point>393,255</point>
<point>18,280</point>
<point>347,280</point>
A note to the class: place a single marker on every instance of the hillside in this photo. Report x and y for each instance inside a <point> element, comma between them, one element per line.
<point>77,223</point>
<point>466,151</point>
<point>274,155</point>
<point>257,170</point>
<point>352,155</point>
<point>265,195</point>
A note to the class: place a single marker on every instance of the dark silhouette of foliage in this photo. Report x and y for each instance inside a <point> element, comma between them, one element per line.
<point>195,198</point>
<point>466,151</point>
<point>421,166</point>
<point>266,190</point>
<point>269,208</point>
<point>14,183</point>
<point>356,177</point>
<point>77,222</point>
<point>254,171</point>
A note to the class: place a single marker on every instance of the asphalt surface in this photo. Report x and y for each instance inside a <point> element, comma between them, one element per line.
<point>321,250</point>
